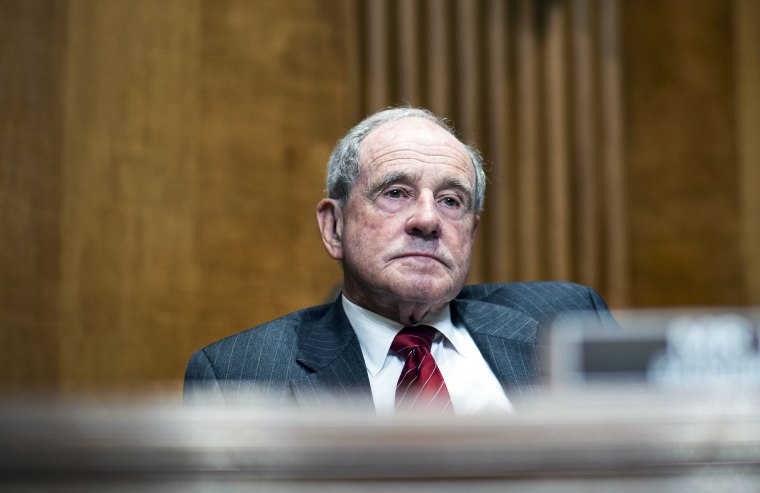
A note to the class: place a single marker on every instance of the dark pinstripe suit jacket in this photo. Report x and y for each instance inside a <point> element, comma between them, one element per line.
<point>313,356</point>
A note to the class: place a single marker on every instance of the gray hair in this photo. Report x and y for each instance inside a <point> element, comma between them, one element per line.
<point>343,166</point>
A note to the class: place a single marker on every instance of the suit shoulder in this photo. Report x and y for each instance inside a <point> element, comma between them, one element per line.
<point>544,297</point>
<point>280,332</point>
<point>477,291</point>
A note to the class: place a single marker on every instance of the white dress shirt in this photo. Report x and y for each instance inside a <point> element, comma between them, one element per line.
<point>472,385</point>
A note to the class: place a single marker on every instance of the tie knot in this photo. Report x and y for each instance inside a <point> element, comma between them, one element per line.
<point>410,338</point>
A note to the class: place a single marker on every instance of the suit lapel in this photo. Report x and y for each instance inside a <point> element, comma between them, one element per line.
<point>330,349</point>
<point>506,339</point>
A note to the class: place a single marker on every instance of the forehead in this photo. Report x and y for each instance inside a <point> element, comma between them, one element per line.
<point>413,141</point>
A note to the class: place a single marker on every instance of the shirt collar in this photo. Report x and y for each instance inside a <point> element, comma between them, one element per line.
<point>376,333</point>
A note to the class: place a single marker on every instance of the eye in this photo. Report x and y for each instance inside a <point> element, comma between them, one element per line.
<point>451,202</point>
<point>394,193</point>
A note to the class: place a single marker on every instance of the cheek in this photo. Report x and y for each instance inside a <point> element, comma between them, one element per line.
<point>363,237</point>
<point>462,245</point>
<point>374,230</point>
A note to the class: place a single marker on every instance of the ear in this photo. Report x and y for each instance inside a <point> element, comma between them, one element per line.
<point>330,219</point>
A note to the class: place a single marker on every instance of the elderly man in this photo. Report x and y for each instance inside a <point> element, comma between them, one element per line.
<point>401,216</point>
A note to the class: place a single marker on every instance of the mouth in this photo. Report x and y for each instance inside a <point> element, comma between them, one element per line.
<point>422,256</point>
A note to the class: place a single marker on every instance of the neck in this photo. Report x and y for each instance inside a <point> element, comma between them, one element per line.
<point>405,312</point>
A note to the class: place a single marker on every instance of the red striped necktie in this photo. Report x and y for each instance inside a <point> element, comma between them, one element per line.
<point>420,386</point>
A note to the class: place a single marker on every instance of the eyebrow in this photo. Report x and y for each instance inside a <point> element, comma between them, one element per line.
<point>389,180</point>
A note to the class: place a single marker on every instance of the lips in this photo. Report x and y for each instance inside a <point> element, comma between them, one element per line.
<point>421,255</point>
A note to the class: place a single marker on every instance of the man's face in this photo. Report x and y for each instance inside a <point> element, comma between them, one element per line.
<point>409,223</point>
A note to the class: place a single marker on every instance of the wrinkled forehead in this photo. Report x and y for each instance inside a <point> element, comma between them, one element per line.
<point>413,139</point>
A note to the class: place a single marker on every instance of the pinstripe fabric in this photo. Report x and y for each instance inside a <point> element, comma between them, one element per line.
<point>312,357</point>
<point>505,322</point>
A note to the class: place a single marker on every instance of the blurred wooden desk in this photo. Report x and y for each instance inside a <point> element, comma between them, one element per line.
<point>632,441</point>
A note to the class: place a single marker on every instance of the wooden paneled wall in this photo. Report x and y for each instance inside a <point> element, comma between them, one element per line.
<point>31,64</point>
<point>746,18</point>
<point>161,163</point>
<point>160,160</point>
<point>683,173</point>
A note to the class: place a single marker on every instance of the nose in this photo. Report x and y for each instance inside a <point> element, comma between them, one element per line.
<point>424,220</point>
